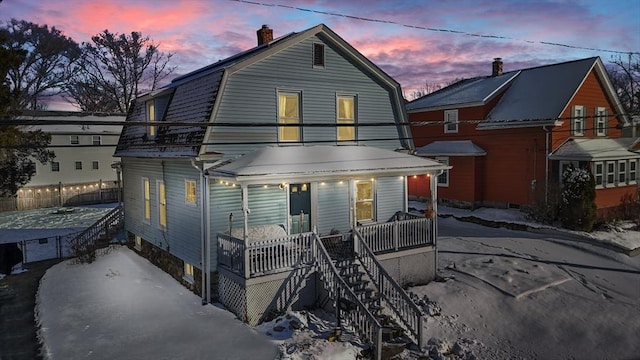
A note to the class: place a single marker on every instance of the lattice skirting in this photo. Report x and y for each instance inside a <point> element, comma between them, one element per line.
<point>232,295</point>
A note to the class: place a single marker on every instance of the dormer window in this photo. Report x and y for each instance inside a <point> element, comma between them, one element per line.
<point>601,121</point>
<point>318,55</point>
<point>151,117</point>
<point>451,121</point>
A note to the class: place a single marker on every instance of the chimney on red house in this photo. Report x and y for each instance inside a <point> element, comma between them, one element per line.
<point>265,35</point>
<point>497,67</point>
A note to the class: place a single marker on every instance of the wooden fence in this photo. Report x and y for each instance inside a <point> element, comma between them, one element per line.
<point>61,195</point>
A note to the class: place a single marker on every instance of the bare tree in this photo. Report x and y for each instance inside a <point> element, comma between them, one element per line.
<point>115,68</point>
<point>625,76</point>
<point>49,57</point>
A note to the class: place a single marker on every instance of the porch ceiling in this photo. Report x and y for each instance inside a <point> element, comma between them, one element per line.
<point>276,164</point>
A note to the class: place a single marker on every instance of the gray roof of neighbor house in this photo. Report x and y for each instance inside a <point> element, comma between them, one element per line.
<point>451,148</point>
<point>530,97</point>
<point>75,122</point>
<point>192,98</point>
<point>596,149</point>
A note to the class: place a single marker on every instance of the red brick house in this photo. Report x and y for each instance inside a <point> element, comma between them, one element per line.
<point>508,136</point>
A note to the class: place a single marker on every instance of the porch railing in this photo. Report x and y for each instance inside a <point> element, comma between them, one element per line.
<point>264,256</point>
<point>404,231</point>
<point>358,316</point>
<point>403,310</point>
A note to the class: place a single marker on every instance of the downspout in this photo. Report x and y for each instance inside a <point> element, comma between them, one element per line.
<point>203,236</point>
<point>433,182</point>
<point>546,164</point>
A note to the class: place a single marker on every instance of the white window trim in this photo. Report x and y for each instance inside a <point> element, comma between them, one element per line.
<point>71,140</point>
<point>95,162</point>
<point>146,201</point>
<point>189,272</point>
<point>186,194</point>
<point>635,171</point>
<point>602,174</point>
<point>575,119</point>
<point>614,173</point>
<point>354,97</point>
<point>75,165</point>
<point>58,164</point>
<point>443,160</point>
<point>160,205</point>
<point>94,138</point>
<point>300,128</point>
<point>374,206</point>
<point>447,123</point>
<point>601,117</point>
<point>623,172</point>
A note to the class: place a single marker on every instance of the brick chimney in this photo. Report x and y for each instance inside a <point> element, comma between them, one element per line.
<point>265,35</point>
<point>497,67</point>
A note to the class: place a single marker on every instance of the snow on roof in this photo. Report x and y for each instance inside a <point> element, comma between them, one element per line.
<point>88,129</point>
<point>278,163</point>
<point>451,148</point>
<point>470,91</point>
<point>595,149</point>
<point>538,95</point>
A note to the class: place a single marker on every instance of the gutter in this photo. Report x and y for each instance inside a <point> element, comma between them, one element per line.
<point>546,164</point>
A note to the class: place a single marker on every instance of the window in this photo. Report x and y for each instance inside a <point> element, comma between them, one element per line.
<point>289,113</point>
<point>162,204</point>
<point>138,242</point>
<point>346,115</point>
<point>74,139</point>
<point>55,166</point>
<point>190,192</point>
<point>96,140</point>
<point>151,117</point>
<point>611,173</point>
<point>188,272</point>
<point>443,179</point>
<point>78,165</point>
<point>451,121</point>
<point>564,165</point>
<point>601,122</point>
<point>95,165</point>
<point>577,121</point>
<point>364,200</point>
<point>146,190</point>
<point>598,174</point>
<point>622,172</point>
<point>318,55</point>
<point>633,171</point>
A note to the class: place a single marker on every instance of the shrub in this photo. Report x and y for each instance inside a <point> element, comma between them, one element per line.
<point>578,201</point>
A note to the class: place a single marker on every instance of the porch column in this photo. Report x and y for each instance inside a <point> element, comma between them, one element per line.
<point>245,230</point>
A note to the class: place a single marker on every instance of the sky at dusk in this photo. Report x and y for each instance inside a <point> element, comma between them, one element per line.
<point>416,42</point>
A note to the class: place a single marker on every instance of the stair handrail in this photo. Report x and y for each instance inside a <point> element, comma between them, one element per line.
<point>406,313</point>
<point>93,231</point>
<point>360,318</point>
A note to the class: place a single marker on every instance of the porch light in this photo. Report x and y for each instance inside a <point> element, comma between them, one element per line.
<point>322,183</point>
<point>30,190</point>
<point>38,191</point>
<point>20,190</point>
<point>233,185</point>
<point>428,175</point>
<point>372,179</point>
<point>265,186</point>
<point>340,182</point>
<point>48,190</point>
<point>77,187</point>
<point>415,176</point>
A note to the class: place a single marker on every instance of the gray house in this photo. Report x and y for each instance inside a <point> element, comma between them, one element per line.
<point>277,178</point>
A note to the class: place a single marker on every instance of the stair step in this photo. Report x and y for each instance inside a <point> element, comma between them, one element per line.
<point>357,284</point>
<point>366,292</point>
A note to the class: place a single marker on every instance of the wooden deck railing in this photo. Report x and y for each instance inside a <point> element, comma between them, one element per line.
<point>405,231</point>
<point>264,256</point>
<point>403,310</point>
<point>85,243</point>
<point>358,317</point>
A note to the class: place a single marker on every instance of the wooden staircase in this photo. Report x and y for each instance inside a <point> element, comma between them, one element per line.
<point>97,235</point>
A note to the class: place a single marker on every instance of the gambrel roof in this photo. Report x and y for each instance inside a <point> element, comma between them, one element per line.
<point>192,99</point>
<point>530,97</point>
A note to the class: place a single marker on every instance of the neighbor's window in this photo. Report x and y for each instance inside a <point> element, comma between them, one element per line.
<point>633,171</point>
<point>451,121</point>
<point>364,200</point>
<point>55,166</point>
<point>346,116</point>
<point>318,55</point>
<point>190,191</point>
<point>611,173</point>
<point>601,121</point>
<point>95,165</point>
<point>289,113</point>
<point>622,171</point>
<point>162,203</point>
<point>96,140</point>
<point>598,174</point>
<point>188,272</point>
<point>564,165</point>
<point>577,121</point>
<point>146,190</point>
<point>443,179</point>
<point>74,139</point>
<point>78,165</point>
<point>151,117</point>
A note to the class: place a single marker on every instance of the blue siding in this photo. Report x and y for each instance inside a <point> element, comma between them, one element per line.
<point>182,234</point>
<point>390,197</point>
<point>268,205</point>
<point>250,96</point>
<point>225,200</point>
<point>333,207</point>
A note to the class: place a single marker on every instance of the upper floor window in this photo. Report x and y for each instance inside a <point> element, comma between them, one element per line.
<point>146,191</point>
<point>74,139</point>
<point>289,113</point>
<point>364,200</point>
<point>78,165</point>
<point>190,192</point>
<point>443,179</point>
<point>451,121</point>
<point>95,165</point>
<point>162,203</point>
<point>346,116</point>
<point>151,118</point>
<point>577,121</point>
<point>96,140</point>
<point>55,166</point>
<point>601,121</point>
<point>318,55</point>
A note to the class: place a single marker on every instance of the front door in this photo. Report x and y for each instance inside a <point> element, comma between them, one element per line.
<point>300,207</point>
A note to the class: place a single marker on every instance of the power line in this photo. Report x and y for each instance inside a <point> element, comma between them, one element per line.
<point>450,31</point>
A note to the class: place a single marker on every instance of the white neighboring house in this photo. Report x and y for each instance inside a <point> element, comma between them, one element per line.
<point>84,152</point>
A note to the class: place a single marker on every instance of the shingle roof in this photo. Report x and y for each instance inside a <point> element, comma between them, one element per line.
<point>595,149</point>
<point>451,148</point>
